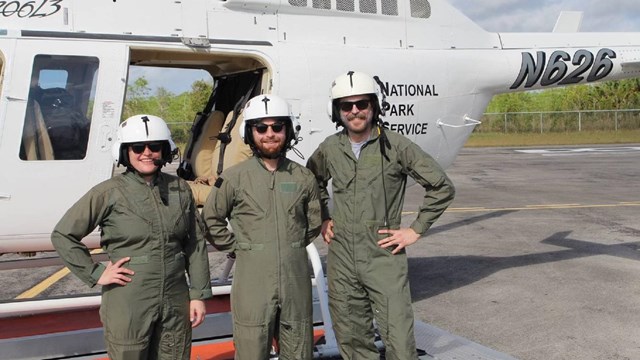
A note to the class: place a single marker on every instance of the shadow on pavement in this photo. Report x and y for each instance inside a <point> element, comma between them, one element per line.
<point>431,276</point>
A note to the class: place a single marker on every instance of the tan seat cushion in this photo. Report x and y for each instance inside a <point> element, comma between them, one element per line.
<point>206,154</point>
<point>236,151</point>
<point>35,137</point>
<point>205,145</point>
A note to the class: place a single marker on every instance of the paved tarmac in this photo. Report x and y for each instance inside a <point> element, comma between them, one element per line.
<point>536,258</point>
<point>538,255</point>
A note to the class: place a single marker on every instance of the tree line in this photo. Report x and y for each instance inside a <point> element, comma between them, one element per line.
<point>610,95</point>
<point>178,110</point>
<point>551,110</point>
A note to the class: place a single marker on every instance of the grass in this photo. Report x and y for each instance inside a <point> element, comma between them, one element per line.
<point>537,139</point>
<point>565,138</point>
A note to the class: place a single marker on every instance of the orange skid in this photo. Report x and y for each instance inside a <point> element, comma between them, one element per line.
<point>225,350</point>
<point>86,319</point>
<point>81,319</point>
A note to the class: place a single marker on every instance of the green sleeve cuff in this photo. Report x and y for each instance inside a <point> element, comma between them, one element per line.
<point>195,294</point>
<point>96,273</point>
<point>324,213</point>
<point>420,228</point>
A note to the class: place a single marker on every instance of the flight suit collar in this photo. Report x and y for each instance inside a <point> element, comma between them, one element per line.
<point>375,133</point>
<point>159,183</point>
<point>135,176</point>
<point>345,143</point>
<point>261,162</point>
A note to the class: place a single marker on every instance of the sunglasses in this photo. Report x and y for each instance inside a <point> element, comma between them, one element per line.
<point>138,148</point>
<point>262,128</point>
<point>360,104</point>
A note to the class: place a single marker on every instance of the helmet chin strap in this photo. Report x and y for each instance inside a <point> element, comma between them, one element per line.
<point>384,105</point>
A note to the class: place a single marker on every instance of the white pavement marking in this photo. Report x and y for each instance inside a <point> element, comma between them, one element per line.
<point>580,151</point>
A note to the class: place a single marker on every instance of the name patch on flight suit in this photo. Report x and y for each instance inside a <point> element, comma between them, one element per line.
<point>288,187</point>
<point>369,160</point>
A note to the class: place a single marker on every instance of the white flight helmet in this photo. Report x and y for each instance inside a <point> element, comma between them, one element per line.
<point>142,128</point>
<point>268,106</point>
<point>355,83</point>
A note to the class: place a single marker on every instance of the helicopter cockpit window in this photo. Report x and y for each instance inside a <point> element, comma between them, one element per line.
<point>420,9</point>
<point>57,120</point>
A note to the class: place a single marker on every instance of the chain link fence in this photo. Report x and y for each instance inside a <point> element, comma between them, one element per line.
<point>519,122</point>
<point>560,121</point>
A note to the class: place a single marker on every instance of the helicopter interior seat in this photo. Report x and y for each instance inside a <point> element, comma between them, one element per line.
<point>67,125</point>
<point>36,143</point>
<point>205,145</point>
<point>236,151</point>
<point>206,153</point>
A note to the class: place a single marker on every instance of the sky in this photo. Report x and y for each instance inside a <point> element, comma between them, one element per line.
<point>176,81</point>
<point>541,15</point>
<point>492,15</point>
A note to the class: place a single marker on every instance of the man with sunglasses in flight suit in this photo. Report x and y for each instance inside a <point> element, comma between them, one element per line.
<point>273,206</point>
<point>148,227</point>
<point>367,265</point>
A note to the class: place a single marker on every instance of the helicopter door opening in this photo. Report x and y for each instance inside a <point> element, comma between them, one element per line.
<point>215,143</point>
<point>207,133</point>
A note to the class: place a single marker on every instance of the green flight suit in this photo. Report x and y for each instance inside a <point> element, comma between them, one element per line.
<point>365,281</point>
<point>157,227</point>
<point>274,216</point>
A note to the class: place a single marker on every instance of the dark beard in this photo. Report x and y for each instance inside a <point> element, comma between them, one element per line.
<point>274,154</point>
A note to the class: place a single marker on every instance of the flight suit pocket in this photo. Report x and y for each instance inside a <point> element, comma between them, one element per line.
<point>296,205</point>
<point>125,223</point>
<point>135,260</point>
<point>250,202</point>
<point>373,227</point>
<point>251,215</point>
<point>181,224</point>
<point>341,176</point>
<point>249,246</point>
<point>295,200</point>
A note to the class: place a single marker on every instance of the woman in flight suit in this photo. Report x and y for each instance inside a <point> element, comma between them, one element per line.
<point>148,228</point>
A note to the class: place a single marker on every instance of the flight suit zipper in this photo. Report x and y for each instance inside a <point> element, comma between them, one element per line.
<point>356,208</point>
<point>274,200</point>
<point>156,201</point>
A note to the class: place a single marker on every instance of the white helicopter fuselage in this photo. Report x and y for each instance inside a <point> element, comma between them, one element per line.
<point>439,71</point>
